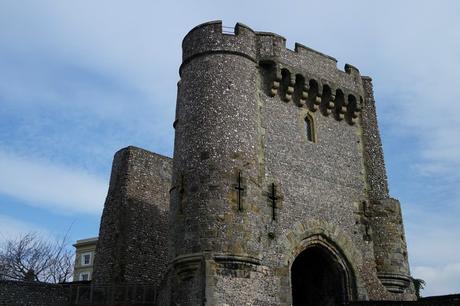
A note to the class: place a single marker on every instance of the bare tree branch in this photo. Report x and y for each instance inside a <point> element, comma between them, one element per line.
<point>31,257</point>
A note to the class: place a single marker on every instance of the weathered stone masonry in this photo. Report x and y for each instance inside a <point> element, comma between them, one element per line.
<point>132,245</point>
<point>14,293</point>
<point>277,154</point>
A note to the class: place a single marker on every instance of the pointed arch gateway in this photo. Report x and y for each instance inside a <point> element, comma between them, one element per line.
<point>321,276</point>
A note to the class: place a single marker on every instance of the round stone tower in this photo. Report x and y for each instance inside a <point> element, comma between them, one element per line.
<point>216,176</point>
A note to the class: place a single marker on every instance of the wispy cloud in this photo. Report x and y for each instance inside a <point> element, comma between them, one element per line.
<point>432,234</point>
<point>420,83</point>
<point>12,228</point>
<point>442,279</point>
<point>51,186</point>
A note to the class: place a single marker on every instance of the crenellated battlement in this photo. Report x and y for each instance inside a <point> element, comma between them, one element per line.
<point>305,76</point>
<point>210,38</point>
<point>262,47</point>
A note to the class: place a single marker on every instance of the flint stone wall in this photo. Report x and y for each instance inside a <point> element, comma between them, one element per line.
<point>132,245</point>
<point>14,293</point>
<point>443,300</point>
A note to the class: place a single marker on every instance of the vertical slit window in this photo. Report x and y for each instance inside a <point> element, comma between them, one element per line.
<point>309,129</point>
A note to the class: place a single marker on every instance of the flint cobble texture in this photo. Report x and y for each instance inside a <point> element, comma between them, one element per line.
<point>132,245</point>
<point>14,293</point>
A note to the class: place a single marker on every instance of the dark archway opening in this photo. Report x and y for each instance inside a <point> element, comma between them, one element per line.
<point>318,279</point>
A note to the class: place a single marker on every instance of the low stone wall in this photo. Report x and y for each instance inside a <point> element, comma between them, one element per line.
<point>443,300</point>
<point>14,293</point>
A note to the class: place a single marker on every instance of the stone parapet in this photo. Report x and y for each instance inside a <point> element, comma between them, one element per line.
<point>212,37</point>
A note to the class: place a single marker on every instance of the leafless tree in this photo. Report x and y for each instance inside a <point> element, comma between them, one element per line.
<point>31,257</point>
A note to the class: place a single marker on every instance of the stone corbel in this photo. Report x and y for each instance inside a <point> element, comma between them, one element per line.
<point>304,95</point>
<point>290,88</point>
<point>187,265</point>
<point>276,83</point>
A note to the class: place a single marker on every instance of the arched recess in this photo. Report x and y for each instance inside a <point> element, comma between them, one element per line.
<point>321,276</point>
<point>315,232</point>
<point>313,91</point>
<point>284,92</point>
<point>299,88</point>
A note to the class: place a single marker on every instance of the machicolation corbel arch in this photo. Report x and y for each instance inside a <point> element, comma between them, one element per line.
<point>308,92</point>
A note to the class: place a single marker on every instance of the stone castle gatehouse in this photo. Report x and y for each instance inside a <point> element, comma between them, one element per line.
<point>277,191</point>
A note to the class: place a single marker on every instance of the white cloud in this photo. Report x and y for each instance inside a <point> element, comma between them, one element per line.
<point>432,236</point>
<point>442,279</point>
<point>418,66</point>
<point>54,187</point>
<point>433,243</point>
<point>115,38</point>
<point>12,228</point>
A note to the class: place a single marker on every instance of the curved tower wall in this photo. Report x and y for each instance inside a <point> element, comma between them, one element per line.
<point>216,133</point>
<point>216,174</point>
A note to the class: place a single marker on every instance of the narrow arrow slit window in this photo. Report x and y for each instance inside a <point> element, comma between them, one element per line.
<point>309,129</point>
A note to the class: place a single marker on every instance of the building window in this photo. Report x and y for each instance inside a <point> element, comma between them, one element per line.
<point>84,276</point>
<point>86,259</point>
<point>309,128</point>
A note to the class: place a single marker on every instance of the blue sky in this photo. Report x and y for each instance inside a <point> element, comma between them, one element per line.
<point>81,79</point>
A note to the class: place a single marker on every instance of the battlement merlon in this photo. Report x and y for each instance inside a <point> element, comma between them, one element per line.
<point>212,37</point>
